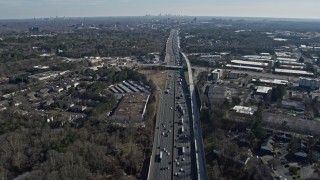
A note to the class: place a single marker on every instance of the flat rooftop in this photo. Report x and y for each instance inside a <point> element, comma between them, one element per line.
<point>287,59</point>
<point>289,71</point>
<point>132,105</point>
<point>244,110</point>
<point>272,81</point>
<point>253,63</point>
<point>244,67</point>
<point>263,89</point>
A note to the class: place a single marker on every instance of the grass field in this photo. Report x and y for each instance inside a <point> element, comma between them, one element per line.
<point>158,77</point>
<point>186,75</point>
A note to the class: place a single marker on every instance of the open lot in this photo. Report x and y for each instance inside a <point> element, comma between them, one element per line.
<point>158,77</point>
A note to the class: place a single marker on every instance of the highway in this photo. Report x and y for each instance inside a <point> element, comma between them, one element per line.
<point>173,154</point>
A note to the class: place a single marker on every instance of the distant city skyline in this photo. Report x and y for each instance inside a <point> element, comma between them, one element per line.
<point>20,9</point>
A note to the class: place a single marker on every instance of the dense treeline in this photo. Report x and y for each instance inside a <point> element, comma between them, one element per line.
<point>98,150</point>
<point>243,37</point>
<point>216,39</point>
<point>80,43</point>
<point>20,51</point>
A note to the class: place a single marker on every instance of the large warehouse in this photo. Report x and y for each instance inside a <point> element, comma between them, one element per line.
<point>249,63</point>
<point>244,67</point>
<point>293,72</point>
<point>309,83</point>
<point>131,107</point>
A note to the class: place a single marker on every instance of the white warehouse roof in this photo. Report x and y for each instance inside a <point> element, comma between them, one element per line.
<point>267,57</point>
<point>263,89</point>
<point>289,71</point>
<point>272,81</point>
<point>287,59</point>
<point>244,110</point>
<point>245,67</point>
<point>253,63</point>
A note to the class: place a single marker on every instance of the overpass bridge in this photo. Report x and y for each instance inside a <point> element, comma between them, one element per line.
<point>170,67</point>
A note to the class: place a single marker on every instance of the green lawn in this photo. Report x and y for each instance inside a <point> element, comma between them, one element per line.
<point>186,75</point>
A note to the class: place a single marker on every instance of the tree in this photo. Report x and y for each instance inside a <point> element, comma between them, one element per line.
<point>309,67</point>
<point>257,127</point>
<point>236,100</point>
<point>294,145</point>
<point>278,92</point>
<point>277,64</point>
<point>293,170</point>
<point>227,104</point>
<point>301,59</point>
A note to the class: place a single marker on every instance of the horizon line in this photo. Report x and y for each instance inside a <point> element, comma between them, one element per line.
<point>164,15</point>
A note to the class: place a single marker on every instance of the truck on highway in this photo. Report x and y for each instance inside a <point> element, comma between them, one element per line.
<point>182,129</point>
<point>183,150</point>
<point>181,121</point>
<point>160,156</point>
<point>180,108</point>
<point>167,91</point>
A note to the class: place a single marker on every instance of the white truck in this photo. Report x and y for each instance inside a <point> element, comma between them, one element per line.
<point>183,150</point>
<point>160,156</point>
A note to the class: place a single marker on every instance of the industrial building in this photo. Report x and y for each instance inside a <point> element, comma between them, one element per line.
<point>249,63</point>
<point>293,72</point>
<point>292,67</point>
<point>293,105</point>
<point>292,63</point>
<point>264,57</point>
<point>260,60</point>
<point>244,67</point>
<point>287,59</point>
<point>129,87</point>
<point>272,81</point>
<point>309,83</point>
<point>131,107</point>
<point>45,75</point>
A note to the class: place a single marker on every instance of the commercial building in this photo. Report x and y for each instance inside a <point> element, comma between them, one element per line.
<point>216,74</point>
<point>244,110</point>
<point>263,89</point>
<point>131,107</point>
<point>309,83</point>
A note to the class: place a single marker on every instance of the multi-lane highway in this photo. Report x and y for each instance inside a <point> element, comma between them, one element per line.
<point>173,155</point>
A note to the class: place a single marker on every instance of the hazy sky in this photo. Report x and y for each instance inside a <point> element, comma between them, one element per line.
<point>76,8</point>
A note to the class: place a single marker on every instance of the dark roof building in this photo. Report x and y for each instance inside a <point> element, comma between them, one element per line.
<point>267,146</point>
<point>293,105</point>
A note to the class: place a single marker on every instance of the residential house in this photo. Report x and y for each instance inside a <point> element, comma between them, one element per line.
<point>267,146</point>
